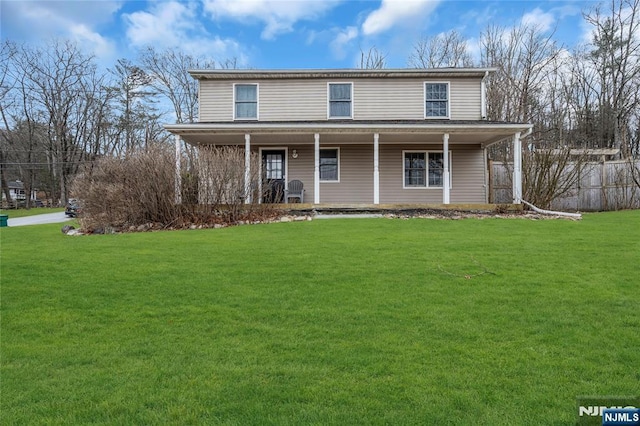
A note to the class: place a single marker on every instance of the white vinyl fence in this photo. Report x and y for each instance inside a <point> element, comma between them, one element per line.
<point>602,186</point>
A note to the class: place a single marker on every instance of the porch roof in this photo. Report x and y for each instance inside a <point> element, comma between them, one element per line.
<point>480,132</point>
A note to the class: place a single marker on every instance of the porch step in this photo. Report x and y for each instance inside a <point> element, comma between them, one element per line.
<point>348,216</point>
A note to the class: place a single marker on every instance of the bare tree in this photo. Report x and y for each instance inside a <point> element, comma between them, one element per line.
<point>7,53</point>
<point>135,114</point>
<point>24,135</point>
<point>524,56</point>
<point>615,59</point>
<point>168,71</point>
<point>62,88</point>
<point>443,50</point>
<point>372,59</point>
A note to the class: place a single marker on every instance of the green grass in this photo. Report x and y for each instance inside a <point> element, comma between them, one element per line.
<point>14,213</point>
<point>355,321</point>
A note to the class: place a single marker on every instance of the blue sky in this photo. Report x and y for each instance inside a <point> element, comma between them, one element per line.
<point>278,34</point>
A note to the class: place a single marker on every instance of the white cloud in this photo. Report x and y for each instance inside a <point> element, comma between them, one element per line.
<point>278,16</point>
<point>475,49</point>
<point>33,21</point>
<point>480,17</point>
<point>166,23</point>
<point>539,19</point>
<point>342,40</point>
<point>91,41</point>
<point>173,24</point>
<point>396,12</point>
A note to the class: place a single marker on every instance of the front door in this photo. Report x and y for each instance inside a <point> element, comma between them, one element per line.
<point>273,175</point>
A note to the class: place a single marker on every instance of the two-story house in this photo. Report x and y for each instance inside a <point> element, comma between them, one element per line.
<point>391,136</point>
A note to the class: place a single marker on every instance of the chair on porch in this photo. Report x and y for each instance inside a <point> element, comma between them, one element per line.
<point>295,189</point>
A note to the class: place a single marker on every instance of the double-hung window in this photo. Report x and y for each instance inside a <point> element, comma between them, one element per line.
<point>415,169</point>
<point>436,98</point>
<point>424,169</point>
<point>340,100</point>
<point>246,101</point>
<point>330,165</point>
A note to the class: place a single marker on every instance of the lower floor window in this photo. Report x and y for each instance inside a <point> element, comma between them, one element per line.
<point>423,169</point>
<point>329,165</point>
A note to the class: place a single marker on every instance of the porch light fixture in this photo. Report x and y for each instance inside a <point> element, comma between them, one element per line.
<point>294,154</point>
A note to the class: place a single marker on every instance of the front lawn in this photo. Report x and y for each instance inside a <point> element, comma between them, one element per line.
<point>344,321</point>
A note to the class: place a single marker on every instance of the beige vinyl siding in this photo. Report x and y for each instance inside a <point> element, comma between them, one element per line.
<point>404,99</point>
<point>356,177</point>
<point>301,168</point>
<point>216,101</point>
<point>391,177</point>
<point>356,173</point>
<point>466,99</point>
<point>293,100</point>
<point>306,100</point>
<point>467,175</point>
<point>377,99</point>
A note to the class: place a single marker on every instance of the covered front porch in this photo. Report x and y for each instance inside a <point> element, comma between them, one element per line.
<point>370,159</point>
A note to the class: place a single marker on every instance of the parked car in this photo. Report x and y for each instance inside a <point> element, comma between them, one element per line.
<point>73,208</point>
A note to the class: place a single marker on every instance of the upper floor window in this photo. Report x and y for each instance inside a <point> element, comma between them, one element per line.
<point>246,101</point>
<point>329,165</point>
<point>436,97</point>
<point>340,100</point>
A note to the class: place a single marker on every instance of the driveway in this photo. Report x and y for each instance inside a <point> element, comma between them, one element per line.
<point>38,219</point>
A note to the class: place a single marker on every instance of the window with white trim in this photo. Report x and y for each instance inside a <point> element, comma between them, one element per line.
<point>340,100</point>
<point>329,165</point>
<point>424,169</point>
<point>436,97</point>
<point>246,101</point>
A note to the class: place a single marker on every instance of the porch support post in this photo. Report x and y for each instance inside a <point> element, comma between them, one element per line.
<point>446,179</point>
<point>517,169</point>
<point>247,168</point>
<point>376,168</point>
<point>178,180</point>
<point>316,169</point>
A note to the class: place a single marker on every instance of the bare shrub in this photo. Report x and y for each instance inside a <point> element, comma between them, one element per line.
<point>139,189</point>
<point>223,189</point>
<point>618,186</point>
<point>129,191</point>
<point>550,174</point>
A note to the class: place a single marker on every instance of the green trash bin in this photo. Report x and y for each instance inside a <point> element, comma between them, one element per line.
<point>3,220</point>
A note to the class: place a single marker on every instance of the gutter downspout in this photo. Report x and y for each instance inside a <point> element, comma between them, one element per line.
<point>551,212</point>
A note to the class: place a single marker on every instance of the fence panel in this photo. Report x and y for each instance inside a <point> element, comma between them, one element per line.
<point>602,186</point>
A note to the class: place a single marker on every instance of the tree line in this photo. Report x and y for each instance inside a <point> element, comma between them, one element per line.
<point>60,112</point>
